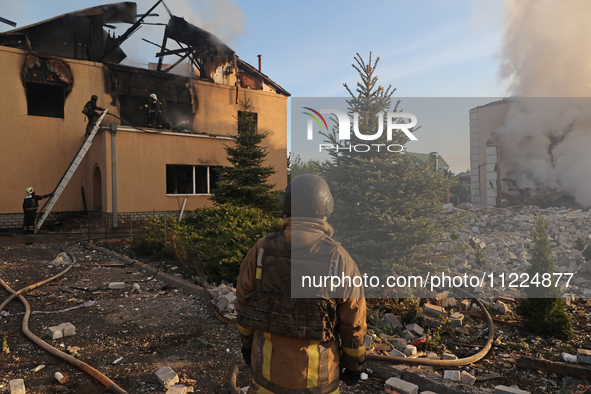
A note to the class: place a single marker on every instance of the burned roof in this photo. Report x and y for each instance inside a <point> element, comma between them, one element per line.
<point>77,34</point>
<point>125,12</point>
<point>81,35</point>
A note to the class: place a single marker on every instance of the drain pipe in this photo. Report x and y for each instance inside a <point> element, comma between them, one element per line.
<point>114,171</point>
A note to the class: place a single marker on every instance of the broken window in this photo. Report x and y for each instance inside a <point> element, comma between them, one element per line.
<point>45,100</point>
<point>253,115</point>
<point>184,179</point>
<point>133,110</point>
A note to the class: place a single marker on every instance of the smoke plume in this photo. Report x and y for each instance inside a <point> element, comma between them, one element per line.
<point>546,53</point>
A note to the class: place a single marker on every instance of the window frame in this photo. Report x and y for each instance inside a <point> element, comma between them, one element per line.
<point>194,180</point>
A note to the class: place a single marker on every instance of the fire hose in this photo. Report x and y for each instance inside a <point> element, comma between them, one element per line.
<point>408,361</point>
<point>108,383</point>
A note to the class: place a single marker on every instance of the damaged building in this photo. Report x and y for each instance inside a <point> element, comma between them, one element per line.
<point>51,69</point>
<point>531,151</point>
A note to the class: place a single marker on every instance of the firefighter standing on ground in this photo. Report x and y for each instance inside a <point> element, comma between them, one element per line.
<point>154,112</point>
<point>89,110</point>
<point>30,206</point>
<point>295,345</point>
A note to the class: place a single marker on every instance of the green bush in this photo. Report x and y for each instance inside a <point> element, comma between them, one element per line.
<point>545,316</point>
<point>221,236</point>
<point>542,311</point>
<point>224,234</point>
<point>580,244</point>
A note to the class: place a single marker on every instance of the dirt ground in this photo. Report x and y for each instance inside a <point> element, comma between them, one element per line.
<point>129,334</point>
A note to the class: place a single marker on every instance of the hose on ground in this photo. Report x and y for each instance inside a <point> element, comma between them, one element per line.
<point>108,383</point>
<point>411,361</point>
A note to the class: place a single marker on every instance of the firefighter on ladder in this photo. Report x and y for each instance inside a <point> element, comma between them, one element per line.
<point>300,345</point>
<point>30,206</point>
<point>89,110</point>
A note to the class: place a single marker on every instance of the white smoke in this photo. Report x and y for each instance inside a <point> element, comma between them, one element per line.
<point>546,53</point>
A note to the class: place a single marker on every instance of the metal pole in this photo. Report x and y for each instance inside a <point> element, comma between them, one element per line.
<point>114,171</point>
<point>106,224</point>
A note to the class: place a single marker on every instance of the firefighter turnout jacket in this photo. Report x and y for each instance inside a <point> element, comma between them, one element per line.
<point>298,343</point>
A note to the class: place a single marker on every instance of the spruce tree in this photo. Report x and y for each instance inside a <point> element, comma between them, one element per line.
<point>542,311</point>
<point>245,183</point>
<point>388,209</point>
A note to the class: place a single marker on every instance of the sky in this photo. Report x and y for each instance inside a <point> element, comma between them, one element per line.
<point>431,48</point>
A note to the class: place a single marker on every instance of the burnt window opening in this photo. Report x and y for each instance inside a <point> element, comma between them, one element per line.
<point>179,115</point>
<point>133,109</point>
<point>184,179</point>
<point>242,115</point>
<point>45,100</point>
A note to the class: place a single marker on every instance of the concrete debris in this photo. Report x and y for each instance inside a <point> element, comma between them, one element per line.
<point>68,329</point>
<point>456,319</point>
<point>509,390</point>
<point>167,377</point>
<point>117,285</point>
<point>452,375</point>
<point>466,378</point>
<point>410,350</point>
<point>63,330</point>
<point>505,237</point>
<point>449,356</point>
<point>63,258</point>
<point>433,310</point>
<point>224,298</point>
<point>368,342</point>
<point>397,353</point>
<point>177,389</point>
<point>16,386</point>
<point>117,361</point>
<point>399,343</point>
<point>569,358</point>
<point>415,329</point>
<point>392,320</point>
<point>401,386</point>
<point>584,356</point>
<point>136,286</point>
<point>61,377</point>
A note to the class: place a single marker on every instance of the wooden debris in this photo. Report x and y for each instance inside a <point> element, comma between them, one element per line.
<point>576,371</point>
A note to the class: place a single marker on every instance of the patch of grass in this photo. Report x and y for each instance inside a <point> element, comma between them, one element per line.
<point>566,348</point>
<point>519,345</point>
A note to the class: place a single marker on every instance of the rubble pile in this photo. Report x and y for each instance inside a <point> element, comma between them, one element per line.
<point>224,298</point>
<point>505,237</point>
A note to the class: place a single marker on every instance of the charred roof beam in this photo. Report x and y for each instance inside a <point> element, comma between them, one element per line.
<point>128,33</point>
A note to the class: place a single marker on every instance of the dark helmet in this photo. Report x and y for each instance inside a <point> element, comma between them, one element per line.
<point>308,196</point>
<point>94,97</point>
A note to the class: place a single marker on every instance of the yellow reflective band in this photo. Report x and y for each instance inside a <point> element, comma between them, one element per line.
<point>354,352</point>
<point>267,349</point>
<point>259,273</point>
<point>245,331</point>
<point>337,391</point>
<point>313,359</point>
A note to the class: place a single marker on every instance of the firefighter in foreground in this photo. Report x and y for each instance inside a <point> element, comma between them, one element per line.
<point>30,206</point>
<point>300,345</point>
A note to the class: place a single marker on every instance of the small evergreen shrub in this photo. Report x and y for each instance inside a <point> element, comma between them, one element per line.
<point>542,311</point>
